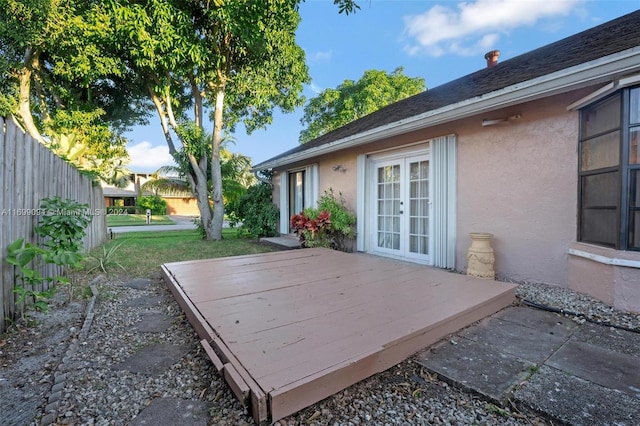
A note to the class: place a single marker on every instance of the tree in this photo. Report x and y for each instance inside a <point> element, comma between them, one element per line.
<point>63,80</point>
<point>237,60</point>
<point>334,108</point>
<point>235,169</point>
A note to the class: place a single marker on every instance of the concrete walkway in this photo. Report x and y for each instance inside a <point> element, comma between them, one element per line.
<point>181,223</point>
<point>578,374</point>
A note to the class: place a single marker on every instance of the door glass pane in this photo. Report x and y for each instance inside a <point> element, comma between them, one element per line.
<point>296,192</point>
<point>414,171</point>
<point>396,242</point>
<point>419,208</point>
<point>601,117</point>
<point>601,152</point>
<point>424,170</point>
<point>388,203</point>
<point>413,189</point>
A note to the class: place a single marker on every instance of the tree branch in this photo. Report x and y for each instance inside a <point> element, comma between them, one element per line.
<point>24,97</point>
<point>163,121</point>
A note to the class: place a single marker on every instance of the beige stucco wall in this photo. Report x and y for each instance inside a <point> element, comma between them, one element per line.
<point>616,283</point>
<point>342,180</point>
<point>518,180</point>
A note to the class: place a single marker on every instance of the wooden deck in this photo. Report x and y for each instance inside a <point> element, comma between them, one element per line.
<point>287,329</point>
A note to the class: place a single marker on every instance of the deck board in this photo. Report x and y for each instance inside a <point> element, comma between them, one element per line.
<point>300,325</point>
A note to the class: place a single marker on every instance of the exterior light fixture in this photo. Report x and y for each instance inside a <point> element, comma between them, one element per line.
<point>491,122</point>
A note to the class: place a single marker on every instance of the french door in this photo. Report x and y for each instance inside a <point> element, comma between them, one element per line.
<point>402,208</point>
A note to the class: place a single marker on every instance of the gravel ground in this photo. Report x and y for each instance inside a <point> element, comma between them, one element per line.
<point>93,392</point>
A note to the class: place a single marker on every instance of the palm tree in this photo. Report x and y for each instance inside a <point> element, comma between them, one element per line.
<point>236,177</point>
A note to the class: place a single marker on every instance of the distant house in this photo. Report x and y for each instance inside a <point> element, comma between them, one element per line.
<point>540,150</point>
<point>178,203</point>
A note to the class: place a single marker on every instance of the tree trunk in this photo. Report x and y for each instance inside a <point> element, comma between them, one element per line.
<point>202,198</point>
<point>198,178</point>
<point>24,102</point>
<point>216,172</point>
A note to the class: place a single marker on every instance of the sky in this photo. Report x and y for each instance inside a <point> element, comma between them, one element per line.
<point>436,40</point>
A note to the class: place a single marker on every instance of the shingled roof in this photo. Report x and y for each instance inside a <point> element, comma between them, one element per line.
<point>609,38</point>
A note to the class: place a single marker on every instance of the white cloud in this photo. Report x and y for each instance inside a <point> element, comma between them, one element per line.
<point>145,157</point>
<point>315,88</point>
<point>320,57</point>
<point>475,26</point>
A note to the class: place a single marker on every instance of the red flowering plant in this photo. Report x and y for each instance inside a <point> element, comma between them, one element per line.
<point>312,227</point>
<point>331,224</point>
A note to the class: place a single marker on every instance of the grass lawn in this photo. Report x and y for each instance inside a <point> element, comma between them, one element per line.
<point>142,253</point>
<point>136,219</point>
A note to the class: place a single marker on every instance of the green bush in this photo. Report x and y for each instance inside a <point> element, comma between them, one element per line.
<point>63,227</point>
<point>202,231</point>
<point>330,224</point>
<point>155,203</point>
<point>254,213</point>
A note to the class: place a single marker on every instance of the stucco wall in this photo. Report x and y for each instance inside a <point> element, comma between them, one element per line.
<point>518,180</point>
<point>342,180</point>
<point>610,275</point>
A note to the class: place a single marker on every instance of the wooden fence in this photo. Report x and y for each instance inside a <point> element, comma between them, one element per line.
<point>30,172</point>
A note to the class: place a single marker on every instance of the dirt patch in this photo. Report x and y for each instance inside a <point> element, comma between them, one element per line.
<point>30,352</point>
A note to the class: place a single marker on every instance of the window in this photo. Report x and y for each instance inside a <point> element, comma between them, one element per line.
<point>609,171</point>
<point>298,190</point>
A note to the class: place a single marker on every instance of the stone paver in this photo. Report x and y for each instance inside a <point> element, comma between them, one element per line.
<point>172,412</point>
<point>153,359</point>
<point>580,374</point>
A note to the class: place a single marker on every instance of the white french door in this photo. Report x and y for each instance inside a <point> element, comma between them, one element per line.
<point>402,208</point>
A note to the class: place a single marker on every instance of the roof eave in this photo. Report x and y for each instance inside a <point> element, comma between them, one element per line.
<point>586,74</point>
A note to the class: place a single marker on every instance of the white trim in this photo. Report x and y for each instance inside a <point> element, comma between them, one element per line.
<point>597,71</point>
<point>614,261</point>
<point>284,201</point>
<point>604,91</point>
<point>311,190</point>
<point>443,177</point>
<point>443,164</point>
<point>311,185</point>
<point>592,97</point>
<point>629,81</point>
<point>360,201</point>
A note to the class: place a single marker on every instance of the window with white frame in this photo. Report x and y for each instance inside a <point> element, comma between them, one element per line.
<point>298,190</point>
<point>609,171</point>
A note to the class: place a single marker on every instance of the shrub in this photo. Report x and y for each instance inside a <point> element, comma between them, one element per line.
<point>155,203</point>
<point>202,231</point>
<point>255,213</point>
<point>63,227</point>
<point>331,224</point>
